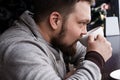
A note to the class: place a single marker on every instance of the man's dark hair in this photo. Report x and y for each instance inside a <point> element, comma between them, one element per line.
<point>42,8</point>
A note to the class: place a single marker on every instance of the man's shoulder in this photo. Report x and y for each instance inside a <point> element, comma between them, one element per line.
<point>21,45</point>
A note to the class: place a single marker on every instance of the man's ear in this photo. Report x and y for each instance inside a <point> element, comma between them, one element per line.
<point>55,20</point>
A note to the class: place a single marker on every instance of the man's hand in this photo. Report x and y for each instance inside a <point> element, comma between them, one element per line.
<point>100,45</point>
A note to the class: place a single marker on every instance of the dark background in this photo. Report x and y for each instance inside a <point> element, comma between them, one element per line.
<point>10,10</point>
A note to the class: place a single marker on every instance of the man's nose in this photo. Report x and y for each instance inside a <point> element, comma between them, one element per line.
<point>84,31</point>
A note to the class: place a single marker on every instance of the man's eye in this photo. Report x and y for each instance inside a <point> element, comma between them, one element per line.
<point>82,23</point>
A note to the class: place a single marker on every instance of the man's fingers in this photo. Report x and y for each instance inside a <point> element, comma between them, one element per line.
<point>91,38</point>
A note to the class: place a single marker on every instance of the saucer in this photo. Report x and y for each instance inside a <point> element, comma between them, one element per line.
<point>115,74</point>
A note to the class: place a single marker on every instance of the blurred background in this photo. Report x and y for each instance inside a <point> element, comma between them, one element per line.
<point>10,10</point>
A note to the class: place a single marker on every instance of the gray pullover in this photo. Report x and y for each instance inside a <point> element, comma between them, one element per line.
<point>25,55</point>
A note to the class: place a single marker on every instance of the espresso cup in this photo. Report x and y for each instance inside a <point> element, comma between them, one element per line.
<point>95,32</point>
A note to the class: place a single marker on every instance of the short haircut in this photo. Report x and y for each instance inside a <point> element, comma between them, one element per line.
<point>43,8</point>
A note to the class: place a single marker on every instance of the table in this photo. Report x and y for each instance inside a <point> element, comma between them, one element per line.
<point>114,62</point>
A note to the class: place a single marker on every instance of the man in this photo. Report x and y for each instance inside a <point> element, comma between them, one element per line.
<point>33,48</point>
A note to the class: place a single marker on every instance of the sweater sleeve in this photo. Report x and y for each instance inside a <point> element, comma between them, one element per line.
<point>88,65</point>
<point>96,58</point>
<point>88,71</point>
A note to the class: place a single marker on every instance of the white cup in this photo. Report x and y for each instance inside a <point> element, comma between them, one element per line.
<point>115,74</point>
<point>95,32</point>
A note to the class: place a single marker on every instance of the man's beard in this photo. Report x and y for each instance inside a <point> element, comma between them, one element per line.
<point>68,50</point>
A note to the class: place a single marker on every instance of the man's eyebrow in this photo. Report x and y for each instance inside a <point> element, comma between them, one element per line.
<point>86,21</point>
